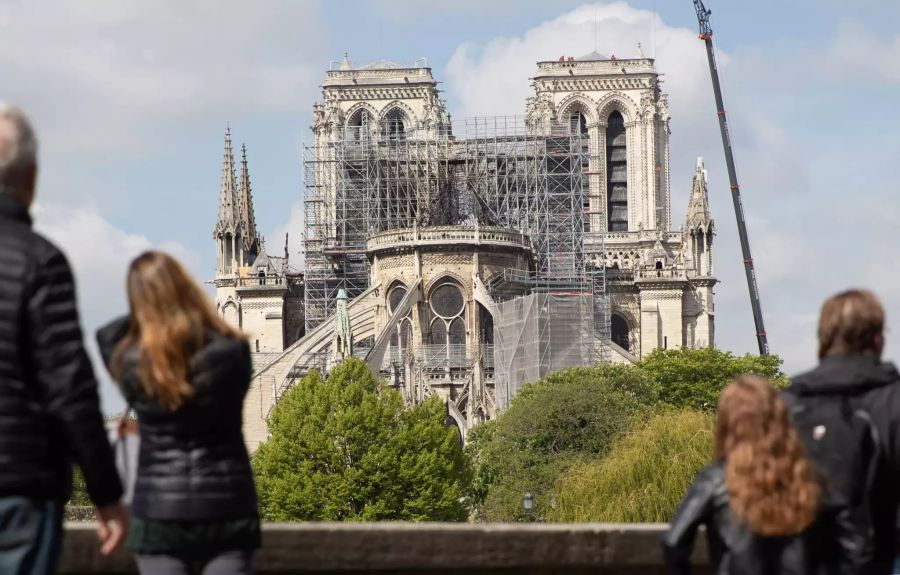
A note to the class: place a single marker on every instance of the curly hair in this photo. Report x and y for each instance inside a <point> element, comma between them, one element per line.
<point>771,483</point>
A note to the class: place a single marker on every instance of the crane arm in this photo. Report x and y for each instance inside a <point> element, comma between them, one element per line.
<point>706,35</point>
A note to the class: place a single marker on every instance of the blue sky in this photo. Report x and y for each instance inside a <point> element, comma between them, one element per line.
<point>131,99</point>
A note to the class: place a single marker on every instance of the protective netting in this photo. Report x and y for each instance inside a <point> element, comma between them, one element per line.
<point>539,333</point>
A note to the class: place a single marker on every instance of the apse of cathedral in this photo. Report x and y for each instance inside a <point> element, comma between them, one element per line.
<point>464,259</point>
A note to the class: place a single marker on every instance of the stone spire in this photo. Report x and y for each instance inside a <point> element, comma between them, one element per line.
<point>229,215</point>
<point>343,335</point>
<point>700,226</point>
<point>698,207</point>
<point>245,206</point>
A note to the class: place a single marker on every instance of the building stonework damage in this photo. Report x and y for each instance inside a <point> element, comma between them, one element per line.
<point>465,259</point>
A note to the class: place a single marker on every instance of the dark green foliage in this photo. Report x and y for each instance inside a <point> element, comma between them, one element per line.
<point>571,415</point>
<point>694,378</point>
<point>347,449</point>
<point>572,418</point>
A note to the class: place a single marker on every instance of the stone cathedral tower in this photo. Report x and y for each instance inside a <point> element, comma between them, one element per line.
<point>255,292</point>
<point>660,280</point>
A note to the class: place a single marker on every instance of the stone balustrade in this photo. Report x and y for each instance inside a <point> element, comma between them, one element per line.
<point>443,236</point>
<point>425,549</point>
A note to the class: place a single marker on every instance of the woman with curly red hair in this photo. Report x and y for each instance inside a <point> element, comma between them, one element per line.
<point>760,500</point>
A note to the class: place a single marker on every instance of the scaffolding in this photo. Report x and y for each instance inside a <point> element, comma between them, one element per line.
<point>359,183</point>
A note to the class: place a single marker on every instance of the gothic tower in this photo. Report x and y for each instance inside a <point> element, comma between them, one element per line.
<point>229,235</point>
<point>255,292</point>
<point>660,280</point>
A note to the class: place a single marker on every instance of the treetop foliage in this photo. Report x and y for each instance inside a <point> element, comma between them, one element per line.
<point>347,448</point>
<point>574,415</point>
<point>694,378</point>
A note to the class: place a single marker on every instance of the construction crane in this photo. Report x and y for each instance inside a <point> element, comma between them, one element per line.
<point>706,35</point>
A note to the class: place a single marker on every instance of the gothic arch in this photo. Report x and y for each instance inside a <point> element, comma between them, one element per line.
<point>394,283</point>
<point>362,106</point>
<point>405,109</point>
<point>622,319</point>
<point>586,106</point>
<point>445,275</point>
<point>616,101</point>
<point>231,314</point>
<point>455,414</point>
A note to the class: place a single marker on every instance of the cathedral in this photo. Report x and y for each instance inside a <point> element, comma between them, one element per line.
<point>465,259</point>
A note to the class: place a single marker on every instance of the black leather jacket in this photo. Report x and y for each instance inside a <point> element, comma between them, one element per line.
<point>877,386</point>
<point>49,407</point>
<point>193,464</point>
<point>733,548</point>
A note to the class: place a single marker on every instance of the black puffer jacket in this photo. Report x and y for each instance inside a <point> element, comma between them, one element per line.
<point>193,465</point>
<point>49,408</point>
<point>877,386</point>
<point>733,548</point>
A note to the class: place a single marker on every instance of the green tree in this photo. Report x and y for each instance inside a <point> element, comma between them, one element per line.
<point>694,378</point>
<point>79,497</point>
<point>348,449</point>
<point>550,424</point>
<point>645,475</point>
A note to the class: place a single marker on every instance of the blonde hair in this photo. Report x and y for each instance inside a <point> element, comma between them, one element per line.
<point>851,322</point>
<point>170,317</point>
<point>771,483</point>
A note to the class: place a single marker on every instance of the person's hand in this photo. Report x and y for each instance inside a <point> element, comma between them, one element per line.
<point>112,527</point>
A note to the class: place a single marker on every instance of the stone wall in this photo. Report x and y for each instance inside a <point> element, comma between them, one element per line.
<point>426,548</point>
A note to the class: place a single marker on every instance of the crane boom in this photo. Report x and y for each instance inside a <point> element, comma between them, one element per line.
<point>706,36</point>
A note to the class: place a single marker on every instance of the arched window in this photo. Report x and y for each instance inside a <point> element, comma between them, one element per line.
<point>578,126</point>
<point>395,296</point>
<point>230,315</point>
<point>358,125</point>
<point>619,331</point>
<point>448,326</point>
<point>699,251</point>
<point>616,174</point>
<point>394,125</point>
<point>487,325</point>
<point>401,336</point>
<point>577,123</point>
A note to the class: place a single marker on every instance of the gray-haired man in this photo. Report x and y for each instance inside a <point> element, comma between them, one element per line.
<point>49,408</point>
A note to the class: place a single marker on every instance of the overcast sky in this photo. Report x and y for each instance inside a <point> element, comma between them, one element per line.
<point>131,99</point>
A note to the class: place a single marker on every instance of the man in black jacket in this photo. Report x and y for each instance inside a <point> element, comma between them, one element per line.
<point>49,407</point>
<point>851,339</point>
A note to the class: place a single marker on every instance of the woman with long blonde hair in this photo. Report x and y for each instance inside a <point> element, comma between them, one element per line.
<point>185,373</point>
<point>760,499</point>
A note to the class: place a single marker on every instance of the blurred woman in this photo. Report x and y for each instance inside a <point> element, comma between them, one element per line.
<point>185,372</point>
<point>760,500</point>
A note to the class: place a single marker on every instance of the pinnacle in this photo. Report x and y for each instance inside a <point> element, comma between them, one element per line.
<point>228,201</point>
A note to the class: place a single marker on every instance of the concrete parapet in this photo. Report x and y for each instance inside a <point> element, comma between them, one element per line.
<point>425,548</point>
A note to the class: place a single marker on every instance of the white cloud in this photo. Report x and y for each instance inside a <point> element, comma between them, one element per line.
<point>100,253</point>
<point>111,84</point>
<point>794,173</point>
<point>293,227</point>
<point>859,54</point>
<point>116,77</point>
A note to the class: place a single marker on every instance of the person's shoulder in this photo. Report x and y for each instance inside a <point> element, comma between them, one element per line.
<point>713,472</point>
<point>33,247</point>
<point>222,349</point>
<point>45,251</point>
<point>710,478</point>
<point>799,382</point>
